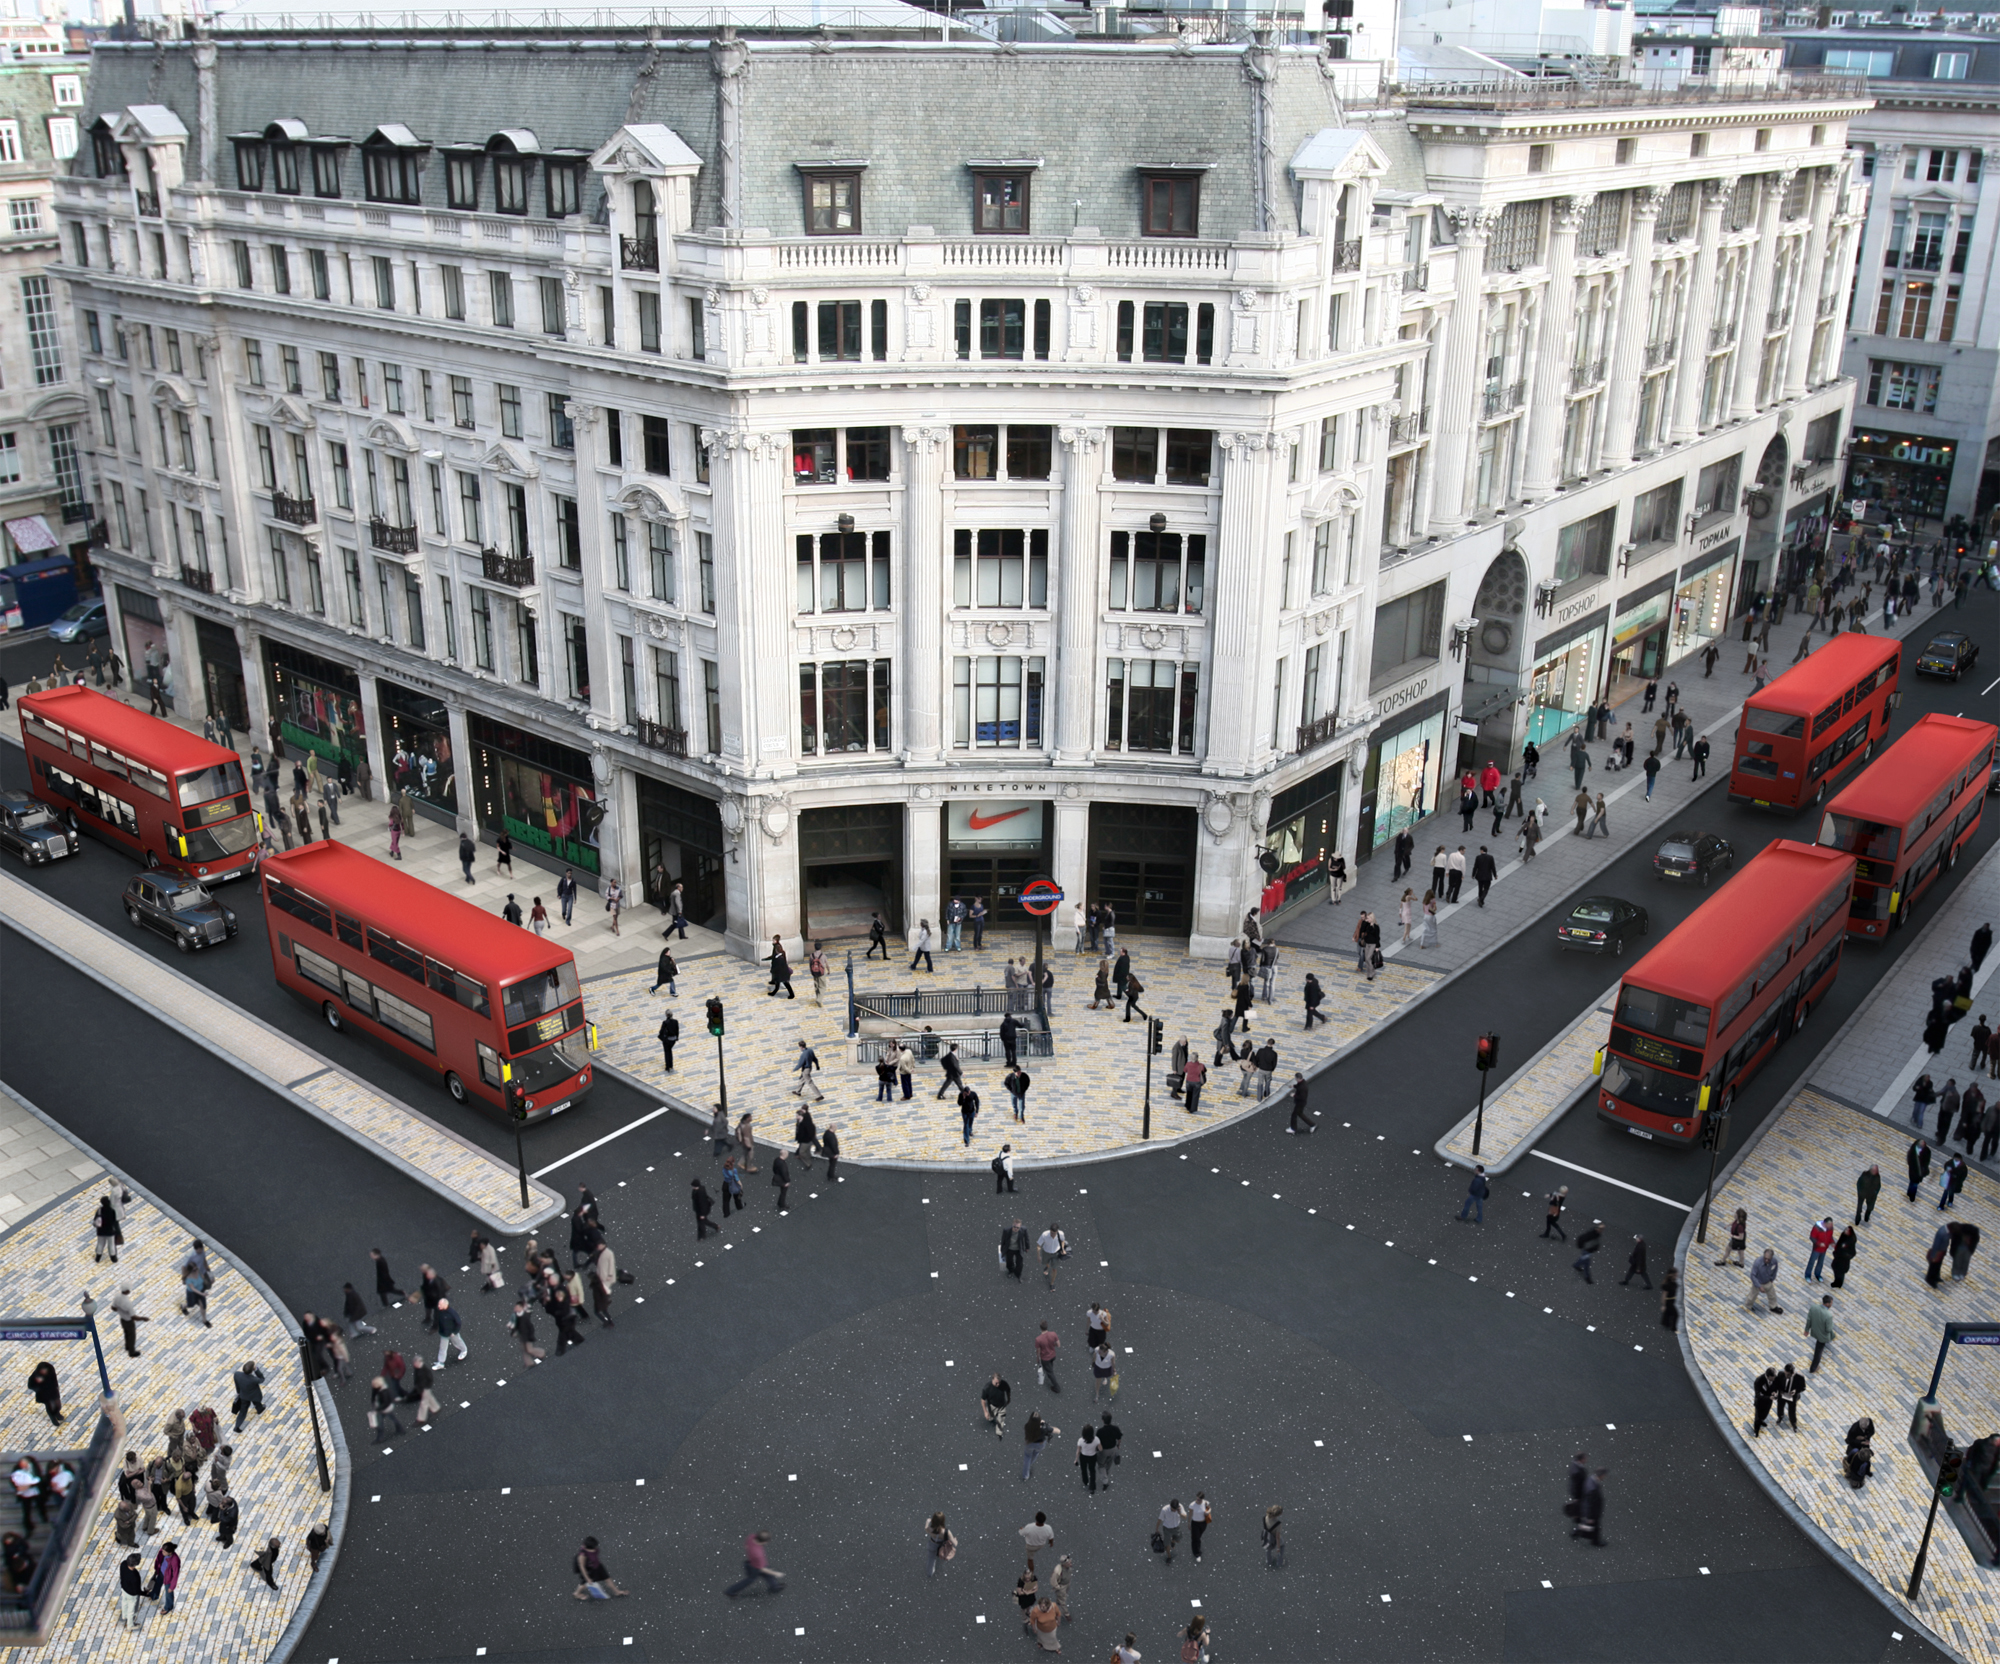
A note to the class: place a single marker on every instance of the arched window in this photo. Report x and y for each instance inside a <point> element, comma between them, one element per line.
<point>283,140</point>
<point>513,154</point>
<point>392,160</point>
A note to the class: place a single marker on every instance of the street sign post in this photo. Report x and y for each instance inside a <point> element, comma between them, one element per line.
<point>1040,897</point>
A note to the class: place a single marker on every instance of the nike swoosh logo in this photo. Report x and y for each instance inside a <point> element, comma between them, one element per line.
<point>979,823</point>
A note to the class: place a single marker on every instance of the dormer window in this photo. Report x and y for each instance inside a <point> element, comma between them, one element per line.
<point>392,161</point>
<point>326,169</point>
<point>1170,204</point>
<point>1000,204</point>
<point>513,156</point>
<point>833,202</point>
<point>106,151</point>
<point>565,188</point>
<point>461,180</point>
<point>249,164</point>
<point>645,213</point>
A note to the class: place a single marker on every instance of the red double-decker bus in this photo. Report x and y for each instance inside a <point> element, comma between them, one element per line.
<point>1815,724</point>
<point>495,1009</point>
<point>1700,1013</point>
<point>172,798</point>
<point>1907,817</point>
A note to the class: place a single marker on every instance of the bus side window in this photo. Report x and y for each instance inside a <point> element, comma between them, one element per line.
<point>62,783</point>
<point>441,979</point>
<point>472,995</point>
<point>489,1063</point>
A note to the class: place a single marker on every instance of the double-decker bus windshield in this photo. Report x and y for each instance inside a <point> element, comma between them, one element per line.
<point>1662,1014</point>
<point>1869,839</point>
<point>549,1065</point>
<point>212,843</point>
<point>205,785</point>
<point>1645,1087</point>
<point>538,995</point>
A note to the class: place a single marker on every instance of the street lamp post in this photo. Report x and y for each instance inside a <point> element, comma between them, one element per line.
<point>306,1367</point>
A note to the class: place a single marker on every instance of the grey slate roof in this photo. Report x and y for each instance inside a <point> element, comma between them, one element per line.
<point>916,114</point>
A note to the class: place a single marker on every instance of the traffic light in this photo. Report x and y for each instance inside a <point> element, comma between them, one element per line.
<point>1714,1129</point>
<point>1489,1052</point>
<point>517,1101</point>
<point>1158,1031</point>
<point>715,1018</point>
<point>1948,1468</point>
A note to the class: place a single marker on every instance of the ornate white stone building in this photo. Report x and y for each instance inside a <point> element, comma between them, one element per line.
<point>845,473</point>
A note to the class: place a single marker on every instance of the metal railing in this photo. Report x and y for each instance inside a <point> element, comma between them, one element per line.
<point>1779,317</point>
<point>1828,305</point>
<point>945,1002</point>
<point>196,577</point>
<point>980,1046</point>
<point>1660,352</point>
<point>673,741</point>
<point>639,254</point>
<point>77,513</point>
<point>395,540</point>
<point>1500,401</point>
<point>1587,375</point>
<point>515,571</point>
<point>1318,731</point>
<point>1562,93</point>
<point>1347,255</point>
<point>22,1609</point>
<point>294,511</point>
<point>149,203</point>
<point>1409,429</point>
<point>1721,335</point>
<point>1417,279</point>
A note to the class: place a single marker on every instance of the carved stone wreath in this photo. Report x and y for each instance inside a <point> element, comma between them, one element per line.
<point>844,637</point>
<point>999,633</point>
<point>1153,637</point>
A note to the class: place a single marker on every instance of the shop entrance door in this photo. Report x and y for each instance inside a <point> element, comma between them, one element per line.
<point>1149,895</point>
<point>999,878</point>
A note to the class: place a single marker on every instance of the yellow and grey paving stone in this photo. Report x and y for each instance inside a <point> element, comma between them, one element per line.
<point>1889,1324</point>
<point>1534,1095</point>
<point>1085,1101</point>
<point>431,1152</point>
<point>224,1613</point>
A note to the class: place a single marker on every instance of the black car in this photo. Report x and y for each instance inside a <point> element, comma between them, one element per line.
<point>1949,653</point>
<point>31,830</point>
<point>1693,856</point>
<point>179,909</point>
<point>1601,924</point>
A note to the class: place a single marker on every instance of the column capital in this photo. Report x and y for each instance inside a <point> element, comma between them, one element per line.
<point>1473,224</point>
<point>584,417</point>
<point>1715,192</point>
<point>1647,203</point>
<point>1081,440</point>
<point>1246,443</point>
<point>755,446</point>
<point>926,441</point>
<point>1570,212</point>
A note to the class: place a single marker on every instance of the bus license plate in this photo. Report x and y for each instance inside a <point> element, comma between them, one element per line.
<point>1639,1132</point>
<point>559,1108</point>
<point>1761,802</point>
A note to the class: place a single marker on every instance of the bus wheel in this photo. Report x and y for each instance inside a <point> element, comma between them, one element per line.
<point>455,1086</point>
<point>132,913</point>
<point>152,860</point>
<point>1728,1101</point>
<point>1951,858</point>
<point>1819,796</point>
<point>1805,1011</point>
<point>334,1020</point>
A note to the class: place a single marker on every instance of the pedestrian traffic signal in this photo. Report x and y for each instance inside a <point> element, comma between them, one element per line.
<point>1714,1129</point>
<point>715,1018</point>
<point>1489,1052</point>
<point>1948,1470</point>
<point>517,1101</point>
<point>1157,1030</point>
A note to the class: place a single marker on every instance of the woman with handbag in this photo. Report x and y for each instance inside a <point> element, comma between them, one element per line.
<point>939,1543</point>
<point>1194,1641</point>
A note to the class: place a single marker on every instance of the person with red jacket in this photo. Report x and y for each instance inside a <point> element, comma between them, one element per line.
<point>1489,783</point>
<point>1822,1240</point>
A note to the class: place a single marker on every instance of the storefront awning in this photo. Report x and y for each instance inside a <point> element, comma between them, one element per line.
<point>32,536</point>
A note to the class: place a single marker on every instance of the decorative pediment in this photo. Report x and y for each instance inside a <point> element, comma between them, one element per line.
<point>393,434</point>
<point>1339,153</point>
<point>646,148</point>
<point>643,502</point>
<point>148,124</point>
<point>1337,495</point>
<point>509,461</point>
<point>58,406</point>
<point>174,393</point>
<point>291,413</point>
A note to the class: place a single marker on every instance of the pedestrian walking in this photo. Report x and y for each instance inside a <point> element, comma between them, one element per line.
<point>1552,1215</point>
<point>1035,1434</point>
<point>1670,1299</point>
<point>130,1587</point>
<point>1168,1533</point>
<point>1013,1249</point>
<point>1764,1282</point>
<point>805,1067</point>
<point>1301,1121</point>
<point>1763,1399</point>
<point>703,1204</point>
<point>1017,1082</point>
<point>1791,1388</point>
<point>1635,1264</point>
<point>1047,1344</point>
<point>923,947</point>
<point>757,1567</point>
<point>1845,1246</point>
<point>1587,1243</point>
<point>1273,1536</point>
<point>1003,1170</point>
<point>968,1112</point>
<point>382,1415</point>
<point>939,1543</point>
<point>110,1231</point>
<point>1866,1188</point>
<point>1590,1517</point>
<point>732,1187</point>
<point>952,1080</point>
<point>1201,1514</point>
<point>124,1305</point>
<point>249,1384</point>
<point>1475,1196</point>
<point>1087,1452</point>
<point>781,970</point>
<point>1963,1245</point>
<point>1739,1238</point>
<point>450,1333</point>
<point>1819,1239</point>
<point>1429,939</point>
<point>1819,1329</point>
<point>1103,1371</point>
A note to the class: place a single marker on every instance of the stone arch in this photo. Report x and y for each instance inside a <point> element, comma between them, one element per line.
<point>1501,606</point>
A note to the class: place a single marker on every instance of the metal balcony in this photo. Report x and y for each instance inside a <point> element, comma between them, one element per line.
<point>1317,733</point>
<point>1408,429</point>
<point>515,571</point>
<point>1502,401</point>
<point>395,540</point>
<point>1582,376</point>
<point>673,741</point>
<point>196,577</point>
<point>1660,352</point>
<point>294,511</point>
<point>639,254</point>
<point>149,203</point>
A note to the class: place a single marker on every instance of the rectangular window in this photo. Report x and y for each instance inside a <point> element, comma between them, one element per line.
<point>1158,571</point>
<point>1003,328</point>
<point>281,269</point>
<point>471,519</point>
<point>1000,204</point>
<point>413,609</point>
<point>1135,454</point>
<point>1164,338</point>
<point>697,327</point>
<point>833,204</point>
<point>576,656</point>
<point>564,188</point>
<point>281,577</point>
<point>461,401</point>
<point>1656,515</point>
<point>648,302</point>
<point>1126,313</point>
<point>240,255</point>
<point>350,567</point>
<point>562,431</point>
<point>666,687</point>
<point>425,395</point>
<point>453,278</point>
<point>975,451</point>
<point>660,562</point>
<point>438,526</point>
<point>553,318</point>
<point>385,281</point>
<point>510,410</point>
<point>385,589</point>
<point>997,701</point>
<point>711,695</point>
<point>658,440</point>
<point>44,341</point>
<point>704,549</point>
<point>842,572</point>
<point>1189,452</point>
<point>392,389</point>
<point>482,628</point>
<point>1150,705</point>
<point>267,458</point>
<point>840,711</point>
<point>343,481</point>
<point>510,184</point>
<point>527,647</point>
<point>569,535</point>
<point>1000,568</point>
<point>614,438</point>
<point>322,276</point>
<point>450,616</point>
<point>1029,451</point>
<point>93,332</point>
<point>329,377</point>
<point>516,498</point>
<point>500,287</point>
<point>1170,205</point>
<point>1407,630</point>
<point>621,555</point>
<point>839,330</point>
<point>461,182</point>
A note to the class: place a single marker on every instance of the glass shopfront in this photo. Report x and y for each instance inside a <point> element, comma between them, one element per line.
<point>1701,603</point>
<point>316,704</point>
<point>222,673</point>
<point>416,746</point>
<point>680,837</point>
<point>542,795</point>
<point>1899,475</point>
<point>1563,683</point>
<point>145,641</point>
<point>1639,634</point>
<point>1406,763</point>
<point>1305,821</point>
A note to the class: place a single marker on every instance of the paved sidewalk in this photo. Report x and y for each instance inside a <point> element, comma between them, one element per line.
<point>1085,1101</point>
<point>430,1153</point>
<point>1801,1168</point>
<point>1534,1096</point>
<point>223,1613</point>
<point>1525,891</point>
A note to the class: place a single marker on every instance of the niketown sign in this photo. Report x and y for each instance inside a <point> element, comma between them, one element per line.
<point>994,824</point>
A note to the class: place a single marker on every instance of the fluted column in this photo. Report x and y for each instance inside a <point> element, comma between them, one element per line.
<point>1805,303</point>
<point>1558,333</point>
<point>1077,578</point>
<point>752,620</point>
<point>1980,300</point>
<point>923,590</point>
<point>1635,293</point>
<point>1457,385</point>
<point>1750,348</point>
<point>1693,370</point>
<point>1237,613</point>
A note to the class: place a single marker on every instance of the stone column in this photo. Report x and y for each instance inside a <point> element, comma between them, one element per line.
<point>923,866</point>
<point>1081,562</point>
<point>607,681</point>
<point>461,767</point>
<point>1227,879</point>
<point>1700,316</point>
<point>1635,293</point>
<point>1750,347</point>
<point>1979,301</point>
<point>923,592</point>
<point>1551,388</point>
<point>1237,609</point>
<point>1805,306</point>
<point>1458,383</point>
<point>371,723</point>
<point>1072,860</point>
<point>752,623</point>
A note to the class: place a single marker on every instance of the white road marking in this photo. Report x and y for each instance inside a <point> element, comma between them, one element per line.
<point>1650,1195</point>
<point>600,1143</point>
